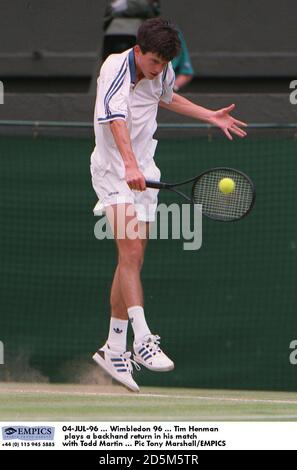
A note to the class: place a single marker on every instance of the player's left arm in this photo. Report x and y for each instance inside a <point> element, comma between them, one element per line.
<point>220,118</point>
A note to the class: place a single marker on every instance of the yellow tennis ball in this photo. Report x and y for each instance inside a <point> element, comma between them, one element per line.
<point>226,185</point>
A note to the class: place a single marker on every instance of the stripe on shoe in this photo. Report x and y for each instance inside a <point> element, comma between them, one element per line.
<point>145,354</point>
<point>147,357</point>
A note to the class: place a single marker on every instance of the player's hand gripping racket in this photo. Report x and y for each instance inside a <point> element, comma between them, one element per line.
<point>225,194</point>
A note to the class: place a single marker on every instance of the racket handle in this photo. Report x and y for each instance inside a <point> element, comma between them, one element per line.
<point>156,184</point>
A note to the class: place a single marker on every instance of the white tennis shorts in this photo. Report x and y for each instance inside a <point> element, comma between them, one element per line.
<point>111,190</point>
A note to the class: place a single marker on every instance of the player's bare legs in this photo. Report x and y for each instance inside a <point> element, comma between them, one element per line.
<point>117,302</point>
<point>126,301</point>
<point>126,291</point>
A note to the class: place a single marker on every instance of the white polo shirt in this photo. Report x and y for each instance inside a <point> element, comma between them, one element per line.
<point>119,98</point>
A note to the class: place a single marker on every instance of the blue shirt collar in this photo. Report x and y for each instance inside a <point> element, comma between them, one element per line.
<point>132,66</point>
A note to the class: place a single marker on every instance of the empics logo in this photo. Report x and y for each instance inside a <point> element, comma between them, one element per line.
<point>10,431</point>
<point>293,95</point>
<point>27,433</point>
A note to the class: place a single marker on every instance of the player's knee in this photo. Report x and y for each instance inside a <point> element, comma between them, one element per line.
<point>132,254</point>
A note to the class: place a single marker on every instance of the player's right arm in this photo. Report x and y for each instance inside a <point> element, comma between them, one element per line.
<point>112,110</point>
<point>133,176</point>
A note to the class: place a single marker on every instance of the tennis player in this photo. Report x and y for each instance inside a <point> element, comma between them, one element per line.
<point>130,88</point>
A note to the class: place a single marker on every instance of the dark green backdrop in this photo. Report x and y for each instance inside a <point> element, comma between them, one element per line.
<point>226,313</point>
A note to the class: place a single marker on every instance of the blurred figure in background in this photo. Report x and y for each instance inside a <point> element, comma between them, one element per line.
<point>182,66</point>
<point>121,22</point>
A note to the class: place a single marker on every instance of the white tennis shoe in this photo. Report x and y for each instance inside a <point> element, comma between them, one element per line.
<point>148,353</point>
<point>118,366</point>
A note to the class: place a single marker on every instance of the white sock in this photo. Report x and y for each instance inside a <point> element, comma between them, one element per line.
<point>138,322</point>
<point>117,338</point>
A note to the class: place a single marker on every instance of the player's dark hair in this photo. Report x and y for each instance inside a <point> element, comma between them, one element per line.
<point>160,37</point>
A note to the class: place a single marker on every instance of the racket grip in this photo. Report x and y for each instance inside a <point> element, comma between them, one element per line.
<point>156,184</point>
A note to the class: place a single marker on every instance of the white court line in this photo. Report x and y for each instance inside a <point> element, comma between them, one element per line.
<point>201,418</point>
<point>152,395</point>
<point>248,400</point>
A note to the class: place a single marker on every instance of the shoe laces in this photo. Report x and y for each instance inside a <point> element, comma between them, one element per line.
<point>130,362</point>
<point>152,343</point>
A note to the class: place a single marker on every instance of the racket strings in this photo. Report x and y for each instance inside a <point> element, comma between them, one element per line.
<point>218,205</point>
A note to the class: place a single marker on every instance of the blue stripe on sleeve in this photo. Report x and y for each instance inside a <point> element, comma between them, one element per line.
<point>114,83</point>
<point>120,84</point>
<point>111,117</point>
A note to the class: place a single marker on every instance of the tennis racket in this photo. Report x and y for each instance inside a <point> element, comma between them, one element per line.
<point>216,204</point>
